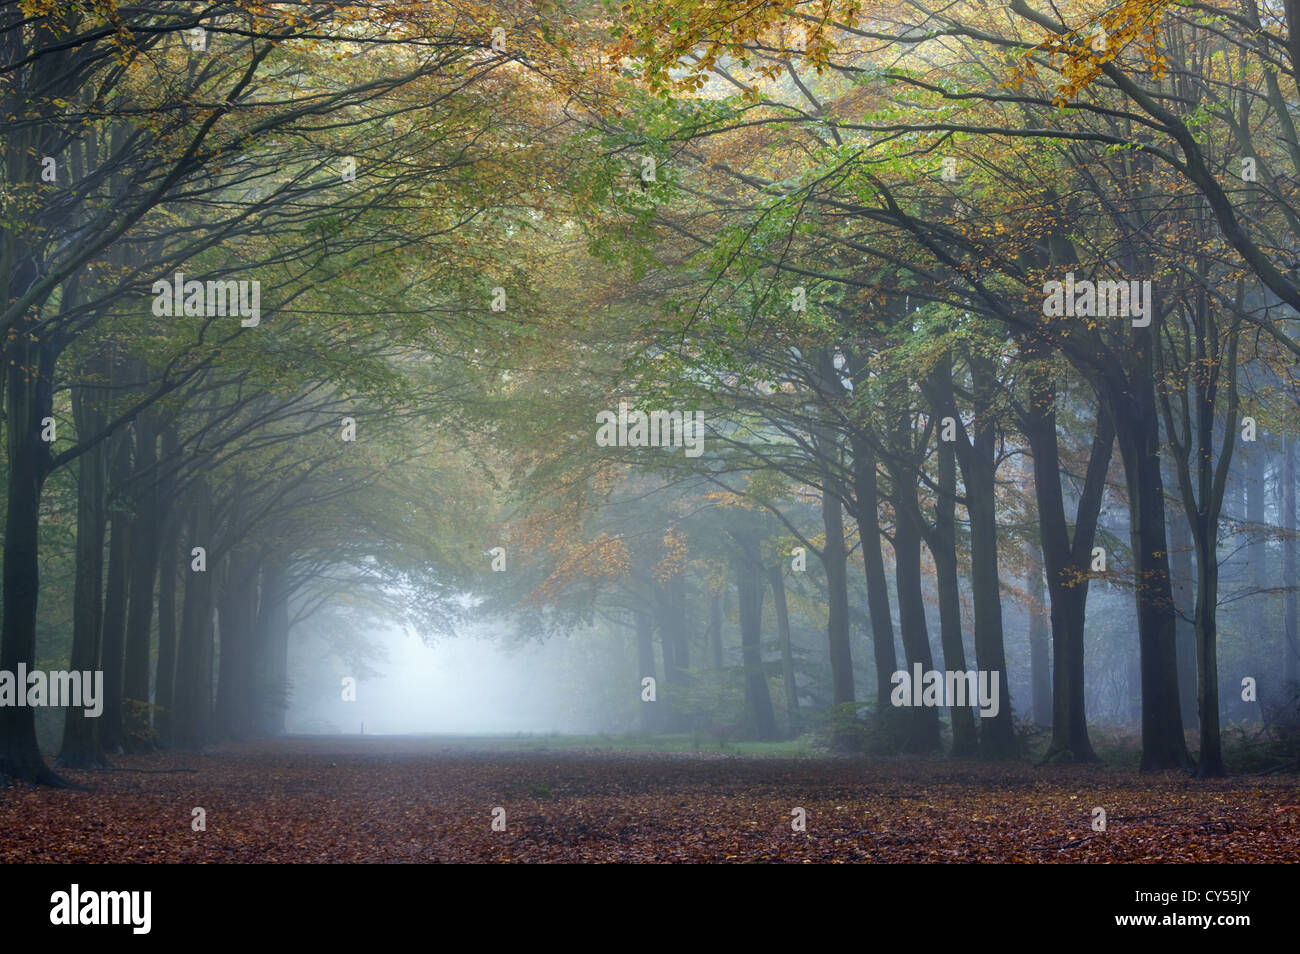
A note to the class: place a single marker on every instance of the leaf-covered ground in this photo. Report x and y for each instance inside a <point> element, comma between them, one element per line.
<point>423,800</point>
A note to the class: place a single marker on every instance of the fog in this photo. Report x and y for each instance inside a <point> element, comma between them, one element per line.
<point>472,684</point>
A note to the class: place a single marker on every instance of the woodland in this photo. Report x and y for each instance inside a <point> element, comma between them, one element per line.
<point>880,408</point>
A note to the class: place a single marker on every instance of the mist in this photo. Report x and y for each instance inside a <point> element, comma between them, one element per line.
<point>653,430</point>
<point>476,683</point>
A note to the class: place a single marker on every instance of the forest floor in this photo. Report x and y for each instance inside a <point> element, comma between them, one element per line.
<point>420,799</point>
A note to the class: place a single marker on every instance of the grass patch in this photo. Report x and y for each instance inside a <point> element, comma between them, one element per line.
<point>803,747</point>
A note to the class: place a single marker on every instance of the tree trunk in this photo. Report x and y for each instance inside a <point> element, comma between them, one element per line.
<point>1183,583</point>
<point>1040,673</point>
<point>977,456</point>
<point>715,631</point>
<point>1204,506</point>
<point>923,725</point>
<point>237,614</point>
<point>1291,642</point>
<point>1066,561</point>
<point>645,651</point>
<point>1210,761</point>
<point>115,595</point>
<point>672,629</point>
<point>272,650</point>
<point>1163,745</point>
<point>776,578</point>
<point>867,500</point>
<point>997,734</point>
<point>1257,551</point>
<point>834,557</point>
<point>29,393</point>
<point>666,645</point>
<point>142,569</point>
<point>681,641</point>
<point>965,742</point>
<point>758,702</point>
<point>193,693</point>
<point>81,748</point>
<point>170,561</point>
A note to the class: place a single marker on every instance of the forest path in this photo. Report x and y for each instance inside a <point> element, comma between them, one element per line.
<point>425,799</point>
